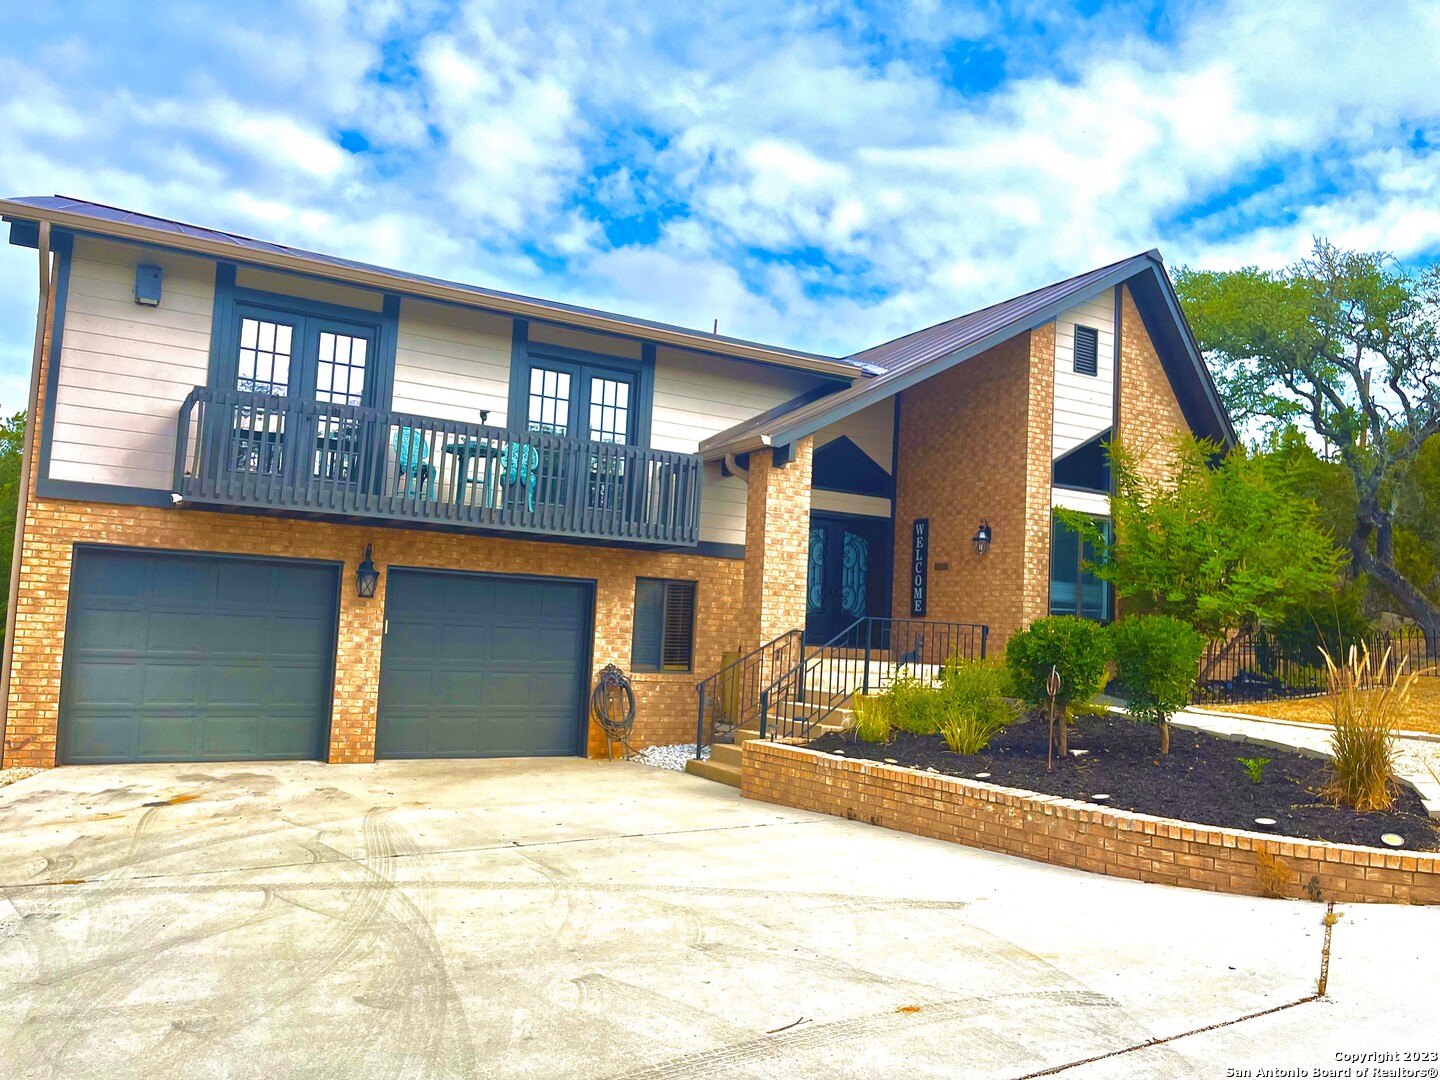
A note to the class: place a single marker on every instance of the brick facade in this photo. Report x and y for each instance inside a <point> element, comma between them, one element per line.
<point>975,444</point>
<point>1064,832</point>
<point>666,702</point>
<point>777,544</point>
<point>1148,416</point>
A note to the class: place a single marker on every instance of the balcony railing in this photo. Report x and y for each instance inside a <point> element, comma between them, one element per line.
<point>280,453</point>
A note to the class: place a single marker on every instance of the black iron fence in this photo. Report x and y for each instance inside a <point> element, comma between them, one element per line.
<point>1258,667</point>
<point>864,658</point>
<point>246,449</point>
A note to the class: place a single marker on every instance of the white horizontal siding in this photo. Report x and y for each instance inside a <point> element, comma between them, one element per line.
<point>125,369</point>
<point>451,362</point>
<point>1086,502</point>
<point>1084,404</point>
<point>722,507</point>
<point>308,288</point>
<point>698,396</point>
<point>872,429</point>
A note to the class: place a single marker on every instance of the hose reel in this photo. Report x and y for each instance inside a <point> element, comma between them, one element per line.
<point>613,704</point>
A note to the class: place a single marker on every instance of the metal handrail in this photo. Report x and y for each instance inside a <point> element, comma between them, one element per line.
<point>912,643</point>
<point>741,676</point>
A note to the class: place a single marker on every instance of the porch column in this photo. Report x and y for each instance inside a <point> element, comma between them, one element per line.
<point>777,544</point>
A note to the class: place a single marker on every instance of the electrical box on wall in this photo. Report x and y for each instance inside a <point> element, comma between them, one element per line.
<point>147,285</point>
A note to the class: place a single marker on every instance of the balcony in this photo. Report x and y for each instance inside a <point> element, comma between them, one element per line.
<point>283,454</point>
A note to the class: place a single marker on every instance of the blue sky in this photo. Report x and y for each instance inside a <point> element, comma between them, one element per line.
<point>825,176</point>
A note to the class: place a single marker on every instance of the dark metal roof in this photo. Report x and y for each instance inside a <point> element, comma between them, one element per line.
<point>908,360</point>
<point>181,232</point>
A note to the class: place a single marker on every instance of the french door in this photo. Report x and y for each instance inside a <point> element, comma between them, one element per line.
<point>317,367</point>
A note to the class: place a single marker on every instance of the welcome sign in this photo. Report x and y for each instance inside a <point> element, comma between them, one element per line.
<point>919,566</point>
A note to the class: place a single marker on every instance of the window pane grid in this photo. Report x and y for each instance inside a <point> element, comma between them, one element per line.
<point>263,365</point>
<point>549,405</point>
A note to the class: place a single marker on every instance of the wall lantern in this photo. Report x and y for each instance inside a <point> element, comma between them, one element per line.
<point>366,576</point>
<point>982,538</point>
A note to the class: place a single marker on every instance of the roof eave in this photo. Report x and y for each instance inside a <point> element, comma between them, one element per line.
<point>377,279</point>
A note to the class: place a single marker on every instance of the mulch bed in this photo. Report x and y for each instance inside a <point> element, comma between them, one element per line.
<point>1200,781</point>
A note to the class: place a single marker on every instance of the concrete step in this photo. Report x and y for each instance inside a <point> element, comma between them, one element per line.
<point>718,771</point>
<point>726,753</point>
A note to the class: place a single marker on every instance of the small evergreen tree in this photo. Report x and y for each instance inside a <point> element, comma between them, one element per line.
<point>1075,648</point>
<point>1157,659</point>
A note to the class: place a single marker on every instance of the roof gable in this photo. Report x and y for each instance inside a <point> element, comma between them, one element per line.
<point>909,360</point>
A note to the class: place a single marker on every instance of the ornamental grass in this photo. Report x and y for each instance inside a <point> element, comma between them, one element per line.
<point>1366,710</point>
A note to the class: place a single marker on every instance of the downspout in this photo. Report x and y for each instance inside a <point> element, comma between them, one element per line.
<point>734,469</point>
<point>23,492</point>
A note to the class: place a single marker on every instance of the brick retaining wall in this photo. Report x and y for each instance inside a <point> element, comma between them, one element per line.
<point>1048,828</point>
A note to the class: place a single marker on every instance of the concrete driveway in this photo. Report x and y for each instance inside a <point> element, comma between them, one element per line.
<point>588,919</point>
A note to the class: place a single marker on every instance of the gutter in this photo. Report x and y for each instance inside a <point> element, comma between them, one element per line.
<point>27,455</point>
<point>517,306</point>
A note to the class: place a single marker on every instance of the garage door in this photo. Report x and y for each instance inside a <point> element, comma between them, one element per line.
<point>481,665</point>
<point>196,658</point>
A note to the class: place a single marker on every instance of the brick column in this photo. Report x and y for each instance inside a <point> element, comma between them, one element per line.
<point>777,545</point>
<point>1039,452</point>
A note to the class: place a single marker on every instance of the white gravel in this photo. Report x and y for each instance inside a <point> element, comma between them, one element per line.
<point>669,757</point>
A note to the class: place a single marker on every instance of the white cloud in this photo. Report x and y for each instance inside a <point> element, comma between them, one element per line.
<point>505,142</point>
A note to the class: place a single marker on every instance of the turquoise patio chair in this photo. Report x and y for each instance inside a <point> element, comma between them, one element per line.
<point>519,464</point>
<point>412,454</point>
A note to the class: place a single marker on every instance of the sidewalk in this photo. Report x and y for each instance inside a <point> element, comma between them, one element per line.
<point>1416,755</point>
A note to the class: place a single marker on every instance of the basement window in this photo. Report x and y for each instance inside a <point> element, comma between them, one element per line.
<point>664,636</point>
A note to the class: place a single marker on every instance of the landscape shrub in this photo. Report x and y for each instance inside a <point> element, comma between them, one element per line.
<point>973,705</point>
<point>1076,648</point>
<point>913,705</point>
<point>1365,714</point>
<point>872,718</point>
<point>1157,659</point>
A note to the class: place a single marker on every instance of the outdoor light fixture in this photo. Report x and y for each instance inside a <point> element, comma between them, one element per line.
<point>366,576</point>
<point>982,538</point>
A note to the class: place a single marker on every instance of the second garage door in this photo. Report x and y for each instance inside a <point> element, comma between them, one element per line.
<point>482,665</point>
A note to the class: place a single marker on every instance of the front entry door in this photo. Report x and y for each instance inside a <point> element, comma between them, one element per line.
<point>849,574</point>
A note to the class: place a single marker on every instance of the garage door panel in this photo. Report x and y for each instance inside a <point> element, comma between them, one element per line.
<point>463,644</point>
<point>405,640</point>
<point>109,683</point>
<point>187,584</point>
<point>168,686</point>
<point>288,682</point>
<point>181,632</point>
<point>401,688</point>
<point>513,644</point>
<point>196,657</point>
<point>109,631</point>
<point>482,665</point>
<point>160,737</point>
<point>291,635</point>
<point>100,736</point>
<point>458,689</point>
<point>287,736</point>
<point>236,736</point>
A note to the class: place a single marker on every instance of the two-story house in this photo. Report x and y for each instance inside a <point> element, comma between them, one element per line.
<point>283,505</point>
